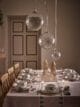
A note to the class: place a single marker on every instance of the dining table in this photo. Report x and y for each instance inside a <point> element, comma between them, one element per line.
<point>29,90</point>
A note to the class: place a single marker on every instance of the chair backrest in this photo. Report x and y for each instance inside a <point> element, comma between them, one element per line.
<point>4,87</point>
<point>11,74</point>
<point>1,89</point>
<point>1,95</point>
<point>4,81</point>
<point>16,69</point>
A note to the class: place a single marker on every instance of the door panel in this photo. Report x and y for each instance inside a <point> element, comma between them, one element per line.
<point>32,64</point>
<point>23,44</point>
<point>18,45</point>
<point>31,45</point>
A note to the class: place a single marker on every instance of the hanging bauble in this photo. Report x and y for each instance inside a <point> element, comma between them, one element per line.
<point>34,21</point>
<point>46,41</point>
<point>55,55</point>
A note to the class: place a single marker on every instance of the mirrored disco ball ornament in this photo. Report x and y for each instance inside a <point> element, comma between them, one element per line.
<point>46,41</point>
<point>34,21</point>
<point>56,54</point>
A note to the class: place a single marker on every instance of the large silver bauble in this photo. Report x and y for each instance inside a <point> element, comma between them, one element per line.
<point>34,21</point>
<point>46,41</point>
<point>55,55</point>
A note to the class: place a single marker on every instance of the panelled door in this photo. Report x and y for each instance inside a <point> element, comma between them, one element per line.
<point>23,45</point>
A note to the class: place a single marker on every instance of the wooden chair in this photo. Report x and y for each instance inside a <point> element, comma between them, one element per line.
<point>4,87</point>
<point>16,69</point>
<point>1,95</point>
<point>11,74</point>
<point>4,81</point>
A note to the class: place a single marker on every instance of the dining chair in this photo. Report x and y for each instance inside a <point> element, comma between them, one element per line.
<point>4,87</point>
<point>11,75</point>
<point>1,95</point>
<point>4,83</point>
<point>17,69</point>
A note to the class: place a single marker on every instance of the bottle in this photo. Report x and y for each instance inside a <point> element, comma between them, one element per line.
<point>53,69</point>
<point>45,67</point>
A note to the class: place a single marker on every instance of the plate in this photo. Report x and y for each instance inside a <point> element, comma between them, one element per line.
<point>50,89</point>
<point>70,74</point>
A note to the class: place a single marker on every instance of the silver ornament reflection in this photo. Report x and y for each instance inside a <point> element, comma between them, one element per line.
<point>56,54</point>
<point>46,41</point>
<point>34,21</point>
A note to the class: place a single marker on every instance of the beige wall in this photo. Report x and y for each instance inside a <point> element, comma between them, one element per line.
<point>69,33</point>
<point>68,27</point>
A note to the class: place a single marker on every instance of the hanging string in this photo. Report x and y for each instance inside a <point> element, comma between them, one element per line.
<point>56,54</point>
<point>55,23</point>
<point>35,8</point>
<point>46,10</point>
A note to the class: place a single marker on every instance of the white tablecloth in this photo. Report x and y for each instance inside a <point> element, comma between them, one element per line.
<point>21,100</point>
<point>33,100</point>
<point>18,99</point>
